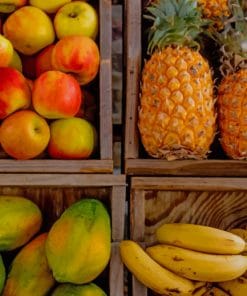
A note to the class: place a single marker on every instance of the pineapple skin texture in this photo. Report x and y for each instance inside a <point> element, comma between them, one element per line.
<point>176,114</point>
<point>214,8</point>
<point>232,108</point>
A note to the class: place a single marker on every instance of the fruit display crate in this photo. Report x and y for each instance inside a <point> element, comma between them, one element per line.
<point>53,193</point>
<point>137,161</point>
<point>215,202</point>
<point>102,160</point>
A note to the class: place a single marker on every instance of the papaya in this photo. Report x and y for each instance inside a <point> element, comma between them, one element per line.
<point>78,245</point>
<point>29,273</point>
<point>20,220</point>
<point>78,290</point>
<point>2,274</point>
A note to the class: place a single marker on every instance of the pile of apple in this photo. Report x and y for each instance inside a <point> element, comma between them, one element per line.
<point>45,113</point>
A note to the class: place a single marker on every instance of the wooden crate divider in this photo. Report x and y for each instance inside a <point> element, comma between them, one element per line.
<point>216,202</point>
<point>55,192</point>
<point>136,163</point>
<point>104,162</point>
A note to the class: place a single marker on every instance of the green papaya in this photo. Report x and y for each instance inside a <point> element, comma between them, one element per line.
<point>29,273</point>
<point>2,274</point>
<point>78,246</point>
<point>78,290</point>
<point>20,220</point>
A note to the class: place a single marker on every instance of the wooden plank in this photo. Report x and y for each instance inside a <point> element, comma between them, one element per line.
<point>186,167</point>
<point>192,184</point>
<point>133,67</point>
<point>138,289</point>
<point>65,180</point>
<point>106,80</point>
<point>116,272</point>
<point>137,215</point>
<point>56,166</point>
<point>118,197</point>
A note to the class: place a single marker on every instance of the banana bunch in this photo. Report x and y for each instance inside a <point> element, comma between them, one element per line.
<point>190,260</point>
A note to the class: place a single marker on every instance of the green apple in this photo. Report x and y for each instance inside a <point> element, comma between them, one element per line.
<point>49,6</point>
<point>16,61</point>
<point>71,138</point>
<point>76,18</point>
<point>6,51</point>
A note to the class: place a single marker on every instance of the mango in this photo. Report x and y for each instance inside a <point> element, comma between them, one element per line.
<point>29,273</point>
<point>20,220</point>
<point>2,274</point>
<point>78,290</point>
<point>78,245</point>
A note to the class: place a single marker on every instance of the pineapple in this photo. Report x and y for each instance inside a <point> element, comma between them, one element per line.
<point>232,91</point>
<point>176,114</point>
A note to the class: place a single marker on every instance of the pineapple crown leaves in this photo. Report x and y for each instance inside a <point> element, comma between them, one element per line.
<point>232,40</point>
<point>175,22</point>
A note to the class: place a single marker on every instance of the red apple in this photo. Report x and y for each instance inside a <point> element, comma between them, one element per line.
<point>16,61</point>
<point>78,55</point>
<point>56,95</point>
<point>43,60</point>
<point>14,91</point>
<point>29,29</point>
<point>71,138</point>
<point>24,134</point>
<point>76,18</point>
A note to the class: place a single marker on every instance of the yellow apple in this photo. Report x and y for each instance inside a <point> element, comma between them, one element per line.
<point>76,18</point>
<point>6,51</point>
<point>49,6</point>
<point>33,32</point>
<point>71,138</point>
<point>16,61</point>
<point>8,6</point>
<point>24,134</point>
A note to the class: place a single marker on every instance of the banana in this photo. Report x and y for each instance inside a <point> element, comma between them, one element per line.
<point>197,265</point>
<point>200,238</point>
<point>242,233</point>
<point>216,292</point>
<point>236,287</point>
<point>150,273</point>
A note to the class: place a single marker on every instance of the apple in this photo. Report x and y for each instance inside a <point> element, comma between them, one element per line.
<point>6,51</point>
<point>56,95</point>
<point>16,61</point>
<point>14,91</point>
<point>24,134</point>
<point>49,6</point>
<point>76,18</point>
<point>71,138</point>
<point>79,55</point>
<point>29,30</point>
<point>43,60</point>
<point>8,6</point>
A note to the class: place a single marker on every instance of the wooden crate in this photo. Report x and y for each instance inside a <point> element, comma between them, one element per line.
<point>137,162</point>
<point>216,202</point>
<point>53,193</point>
<point>102,161</point>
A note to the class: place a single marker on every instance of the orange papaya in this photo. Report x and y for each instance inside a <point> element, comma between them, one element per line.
<point>20,220</point>
<point>78,290</point>
<point>78,245</point>
<point>2,274</point>
<point>29,273</point>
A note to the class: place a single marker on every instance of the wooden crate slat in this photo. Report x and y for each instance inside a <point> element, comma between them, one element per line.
<point>56,166</point>
<point>133,67</point>
<point>137,161</point>
<point>103,162</point>
<point>116,282</point>
<point>208,167</point>
<point>106,131</point>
